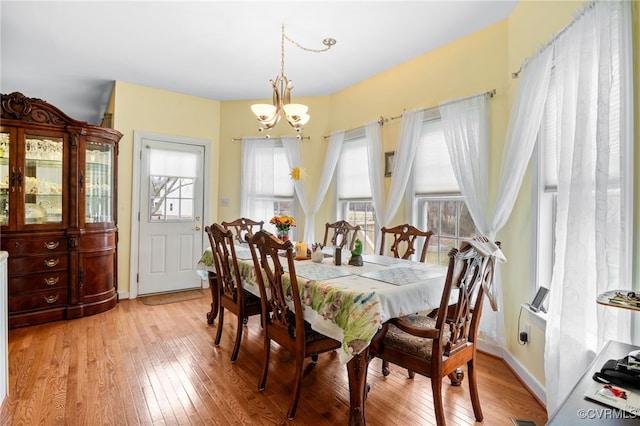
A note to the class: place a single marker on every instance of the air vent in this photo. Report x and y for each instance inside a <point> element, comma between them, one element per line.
<point>520,422</point>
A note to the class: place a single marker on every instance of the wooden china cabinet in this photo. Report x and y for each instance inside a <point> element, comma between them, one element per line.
<point>57,212</point>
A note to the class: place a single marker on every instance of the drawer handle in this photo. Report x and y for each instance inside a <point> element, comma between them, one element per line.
<point>51,281</point>
<point>51,262</point>
<point>52,245</point>
<point>51,299</point>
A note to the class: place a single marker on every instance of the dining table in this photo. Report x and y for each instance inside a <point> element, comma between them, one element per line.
<point>349,303</point>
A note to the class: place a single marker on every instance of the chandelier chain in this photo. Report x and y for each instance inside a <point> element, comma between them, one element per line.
<point>308,49</point>
<point>327,42</point>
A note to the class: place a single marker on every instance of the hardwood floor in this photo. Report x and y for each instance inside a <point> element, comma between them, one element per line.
<point>157,365</point>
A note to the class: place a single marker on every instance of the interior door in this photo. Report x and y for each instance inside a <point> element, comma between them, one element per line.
<point>171,208</point>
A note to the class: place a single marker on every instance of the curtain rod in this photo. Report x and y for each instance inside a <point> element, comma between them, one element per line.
<point>383,120</point>
<point>490,93</point>
<point>577,15</point>
<point>271,137</point>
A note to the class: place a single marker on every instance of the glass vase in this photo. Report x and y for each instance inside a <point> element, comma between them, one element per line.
<point>283,234</point>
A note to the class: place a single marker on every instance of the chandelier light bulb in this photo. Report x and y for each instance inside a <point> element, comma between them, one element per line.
<point>264,112</point>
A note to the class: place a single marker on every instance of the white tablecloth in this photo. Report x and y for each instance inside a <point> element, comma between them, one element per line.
<point>346,303</point>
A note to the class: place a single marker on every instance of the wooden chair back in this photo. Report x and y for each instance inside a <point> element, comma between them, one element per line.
<point>404,241</point>
<point>342,230</point>
<point>232,295</point>
<point>437,345</point>
<point>469,273</point>
<point>244,228</point>
<point>223,258</point>
<point>275,289</point>
<point>282,310</point>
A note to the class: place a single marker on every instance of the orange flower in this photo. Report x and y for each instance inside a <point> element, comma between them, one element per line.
<point>283,223</point>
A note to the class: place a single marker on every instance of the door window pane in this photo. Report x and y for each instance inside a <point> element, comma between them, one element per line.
<point>172,199</point>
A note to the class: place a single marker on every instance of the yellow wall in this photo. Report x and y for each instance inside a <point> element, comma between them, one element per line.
<point>138,108</point>
<point>466,67</point>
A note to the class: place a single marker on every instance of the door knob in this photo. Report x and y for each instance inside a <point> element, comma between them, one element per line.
<point>197,227</point>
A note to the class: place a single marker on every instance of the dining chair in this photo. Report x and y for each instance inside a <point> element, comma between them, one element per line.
<point>404,240</point>
<point>282,311</point>
<point>232,296</point>
<point>243,227</point>
<point>341,231</point>
<point>438,345</point>
<point>404,237</point>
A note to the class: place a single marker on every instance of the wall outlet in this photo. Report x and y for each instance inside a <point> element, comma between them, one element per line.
<point>523,337</point>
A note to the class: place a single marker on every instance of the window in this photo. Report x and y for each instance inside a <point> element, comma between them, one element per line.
<point>283,192</point>
<point>449,220</point>
<point>439,206</point>
<point>544,202</point>
<point>546,165</point>
<point>171,185</point>
<point>353,188</point>
<point>267,186</point>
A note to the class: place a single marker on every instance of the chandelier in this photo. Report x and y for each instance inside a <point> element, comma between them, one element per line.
<point>296,114</point>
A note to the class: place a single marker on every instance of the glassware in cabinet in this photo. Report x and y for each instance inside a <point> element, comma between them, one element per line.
<point>4,178</point>
<point>99,182</point>
<point>43,180</point>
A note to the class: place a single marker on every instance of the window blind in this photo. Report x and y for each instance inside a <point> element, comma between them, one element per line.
<point>353,170</point>
<point>433,172</point>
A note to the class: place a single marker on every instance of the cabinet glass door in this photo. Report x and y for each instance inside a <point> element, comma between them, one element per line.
<point>42,180</point>
<point>99,182</point>
<point>4,178</point>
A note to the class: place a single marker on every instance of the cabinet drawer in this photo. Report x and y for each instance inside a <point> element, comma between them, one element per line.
<point>41,300</point>
<point>38,282</point>
<point>30,246</point>
<point>36,264</point>
<point>98,241</point>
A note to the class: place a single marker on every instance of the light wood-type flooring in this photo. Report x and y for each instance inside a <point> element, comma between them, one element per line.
<point>157,365</point>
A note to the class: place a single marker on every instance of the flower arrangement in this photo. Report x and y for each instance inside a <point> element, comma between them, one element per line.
<point>283,223</point>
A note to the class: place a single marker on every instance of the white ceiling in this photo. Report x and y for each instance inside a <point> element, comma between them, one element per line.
<point>70,53</point>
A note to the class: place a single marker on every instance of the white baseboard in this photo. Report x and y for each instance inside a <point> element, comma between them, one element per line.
<point>527,379</point>
<point>123,295</point>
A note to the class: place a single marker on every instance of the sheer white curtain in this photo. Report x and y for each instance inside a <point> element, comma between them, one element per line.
<point>410,128</point>
<point>522,133</point>
<point>293,151</point>
<point>374,153</point>
<point>330,162</point>
<point>466,130</point>
<point>257,181</point>
<point>595,137</point>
